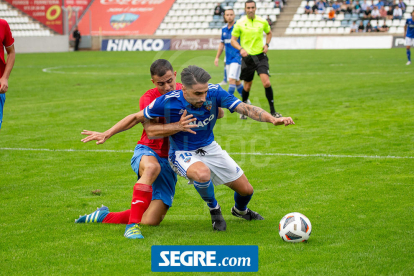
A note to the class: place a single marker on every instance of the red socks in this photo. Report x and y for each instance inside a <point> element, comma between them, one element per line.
<point>118,217</point>
<point>141,199</point>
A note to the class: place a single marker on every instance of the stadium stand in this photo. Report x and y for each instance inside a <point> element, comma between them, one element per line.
<point>319,24</point>
<point>22,25</point>
<point>195,17</point>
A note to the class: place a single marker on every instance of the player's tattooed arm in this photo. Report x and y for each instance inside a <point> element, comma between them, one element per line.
<point>258,114</point>
<point>125,124</point>
<point>156,130</point>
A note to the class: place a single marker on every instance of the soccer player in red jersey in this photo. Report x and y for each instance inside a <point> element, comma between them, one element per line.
<point>154,191</point>
<point>5,67</point>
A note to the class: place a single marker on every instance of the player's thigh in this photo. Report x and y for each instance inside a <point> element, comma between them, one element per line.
<point>234,71</point>
<point>189,165</point>
<point>155,213</point>
<point>409,42</point>
<point>149,166</point>
<point>223,168</point>
<point>265,80</point>
<point>241,185</point>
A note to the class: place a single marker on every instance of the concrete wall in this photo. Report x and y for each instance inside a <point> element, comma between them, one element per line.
<point>41,44</point>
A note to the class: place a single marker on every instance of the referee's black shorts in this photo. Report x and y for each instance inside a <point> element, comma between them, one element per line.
<point>250,64</point>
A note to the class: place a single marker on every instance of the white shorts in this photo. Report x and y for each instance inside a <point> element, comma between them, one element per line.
<point>222,167</point>
<point>233,71</point>
<point>409,41</point>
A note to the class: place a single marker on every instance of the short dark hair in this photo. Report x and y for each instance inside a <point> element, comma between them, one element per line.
<point>224,13</point>
<point>193,75</point>
<point>160,67</point>
<point>249,1</point>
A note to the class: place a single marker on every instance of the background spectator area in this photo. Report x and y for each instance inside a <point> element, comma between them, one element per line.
<point>318,22</point>
<point>196,17</point>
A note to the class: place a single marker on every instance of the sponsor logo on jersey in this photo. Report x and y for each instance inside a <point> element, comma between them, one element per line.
<point>204,122</point>
<point>181,111</point>
<point>188,159</point>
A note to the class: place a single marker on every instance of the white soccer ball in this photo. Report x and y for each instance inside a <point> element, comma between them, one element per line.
<point>295,227</point>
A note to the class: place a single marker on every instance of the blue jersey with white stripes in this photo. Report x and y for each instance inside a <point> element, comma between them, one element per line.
<point>410,27</point>
<point>172,105</point>
<point>232,54</point>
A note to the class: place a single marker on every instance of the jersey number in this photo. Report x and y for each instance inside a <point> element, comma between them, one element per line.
<point>183,155</point>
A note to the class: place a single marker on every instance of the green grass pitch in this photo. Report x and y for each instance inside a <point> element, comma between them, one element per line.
<point>349,107</point>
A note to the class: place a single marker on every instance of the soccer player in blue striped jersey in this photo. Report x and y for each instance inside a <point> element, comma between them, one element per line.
<point>409,36</point>
<point>233,57</point>
<point>197,156</point>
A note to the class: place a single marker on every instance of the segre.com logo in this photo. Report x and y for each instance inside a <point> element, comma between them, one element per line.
<point>195,258</point>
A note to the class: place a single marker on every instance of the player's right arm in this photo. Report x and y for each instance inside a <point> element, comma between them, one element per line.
<point>157,130</point>
<point>219,51</point>
<point>125,124</point>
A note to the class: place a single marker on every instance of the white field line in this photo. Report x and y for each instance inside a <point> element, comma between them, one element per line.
<point>231,153</point>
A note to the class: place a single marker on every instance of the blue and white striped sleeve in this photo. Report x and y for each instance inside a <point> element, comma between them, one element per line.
<point>225,99</point>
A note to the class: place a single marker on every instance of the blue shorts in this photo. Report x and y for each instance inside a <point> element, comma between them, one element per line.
<point>2,101</point>
<point>163,187</point>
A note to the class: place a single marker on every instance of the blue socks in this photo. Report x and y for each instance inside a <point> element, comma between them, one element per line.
<point>409,54</point>
<point>240,89</point>
<point>241,201</point>
<point>225,73</point>
<point>232,88</point>
<point>206,191</point>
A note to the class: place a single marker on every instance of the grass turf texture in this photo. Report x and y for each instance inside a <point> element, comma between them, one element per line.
<point>355,102</point>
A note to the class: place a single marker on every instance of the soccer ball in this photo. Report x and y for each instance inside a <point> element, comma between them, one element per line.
<point>295,227</point>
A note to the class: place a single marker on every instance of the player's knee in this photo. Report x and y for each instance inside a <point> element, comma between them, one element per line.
<point>267,84</point>
<point>203,174</point>
<point>152,169</point>
<point>246,190</point>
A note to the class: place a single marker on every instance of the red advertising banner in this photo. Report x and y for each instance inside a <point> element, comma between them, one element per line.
<point>125,17</point>
<point>72,6</point>
<point>47,12</point>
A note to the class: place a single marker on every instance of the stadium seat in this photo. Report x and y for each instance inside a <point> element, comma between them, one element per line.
<point>296,31</point>
<point>293,24</point>
<point>300,24</point>
<point>311,30</point>
<point>326,30</point>
<point>333,30</point>
<point>315,24</point>
<point>322,24</point>
<point>395,23</point>
<point>400,30</point>
<point>329,23</point>
<point>318,31</point>
<point>304,30</point>
<point>296,17</point>
<point>289,31</point>
<point>341,30</point>
<point>308,24</point>
<point>336,23</point>
<point>311,17</point>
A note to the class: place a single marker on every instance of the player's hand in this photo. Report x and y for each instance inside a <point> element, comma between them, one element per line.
<point>185,121</point>
<point>216,62</point>
<point>93,135</point>
<point>4,85</point>
<point>265,49</point>
<point>243,53</point>
<point>283,121</point>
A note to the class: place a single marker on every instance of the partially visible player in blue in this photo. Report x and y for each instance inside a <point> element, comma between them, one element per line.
<point>233,57</point>
<point>409,36</point>
<point>197,156</point>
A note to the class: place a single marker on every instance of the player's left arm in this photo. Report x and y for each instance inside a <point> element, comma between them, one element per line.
<point>219,51</point>
<point>11,56</point>
<point>258,114</point>
<point>268,32</point>
<point>220,113</point>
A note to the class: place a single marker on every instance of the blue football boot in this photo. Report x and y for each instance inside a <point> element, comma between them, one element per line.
<point>96,217</point>
<point>133,231</point>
